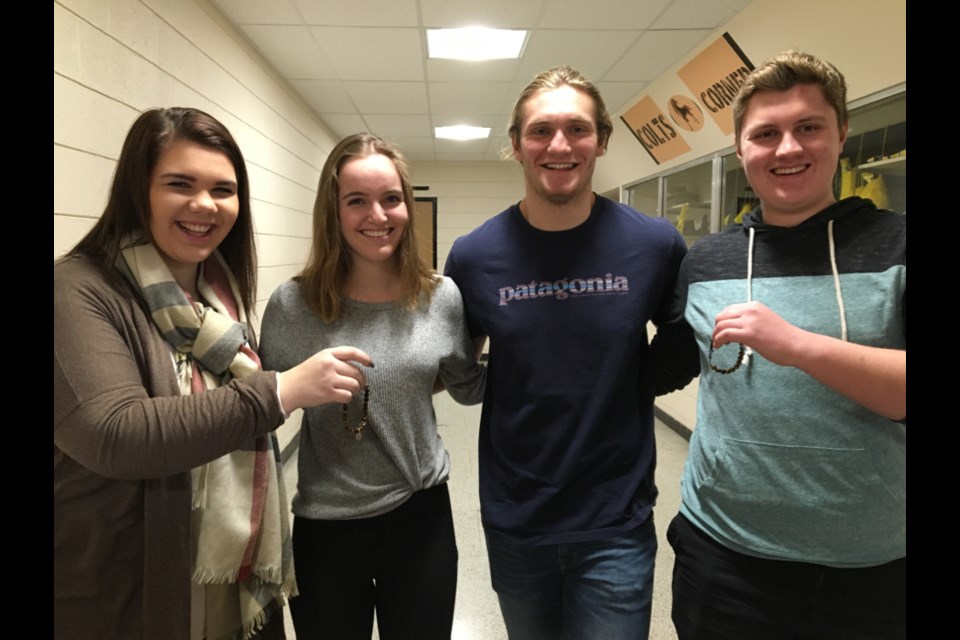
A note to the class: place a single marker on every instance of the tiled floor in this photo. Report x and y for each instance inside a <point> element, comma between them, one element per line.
<point>477,615</point>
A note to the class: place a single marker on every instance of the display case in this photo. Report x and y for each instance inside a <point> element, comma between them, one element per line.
<point>873,163</point>
<point>683,196</point>
<point>689,200</point>
<point>645,197</point>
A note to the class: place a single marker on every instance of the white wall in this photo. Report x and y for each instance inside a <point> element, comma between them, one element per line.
<point>116,58</point>
<point>467,193</point>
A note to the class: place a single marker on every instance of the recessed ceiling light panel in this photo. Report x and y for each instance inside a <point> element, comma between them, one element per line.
<point>462,132</point>
<point>475,43</point>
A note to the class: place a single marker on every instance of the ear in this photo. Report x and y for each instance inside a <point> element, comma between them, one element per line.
<point>602,146</point>
<point>843,133</point>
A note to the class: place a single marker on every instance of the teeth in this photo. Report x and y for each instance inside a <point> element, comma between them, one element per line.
<point>559,165</point>
<point>375,233</point>
<point>195,227</point>
<point>790,170</point>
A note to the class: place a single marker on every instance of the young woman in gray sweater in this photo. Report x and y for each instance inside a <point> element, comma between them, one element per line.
<point>373,528</point>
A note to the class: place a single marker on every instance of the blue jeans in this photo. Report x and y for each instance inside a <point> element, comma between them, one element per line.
<point>583,590</point>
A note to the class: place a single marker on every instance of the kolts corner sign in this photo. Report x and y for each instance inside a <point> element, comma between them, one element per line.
<point>653,129</point>
<point>713,77</point>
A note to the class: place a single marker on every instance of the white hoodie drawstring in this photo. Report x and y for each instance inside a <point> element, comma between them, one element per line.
<point>836,284</point>
<point>747,352</point>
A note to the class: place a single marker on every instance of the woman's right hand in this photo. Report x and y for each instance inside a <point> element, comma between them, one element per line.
<point>326,376</point>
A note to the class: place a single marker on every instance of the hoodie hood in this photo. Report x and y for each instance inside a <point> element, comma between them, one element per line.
<point>836,211</point>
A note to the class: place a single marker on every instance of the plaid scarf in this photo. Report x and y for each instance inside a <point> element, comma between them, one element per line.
<point>242,556</point>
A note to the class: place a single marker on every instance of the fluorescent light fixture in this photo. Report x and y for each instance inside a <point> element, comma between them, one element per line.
<point>462,132</point>
<point>475,43</point>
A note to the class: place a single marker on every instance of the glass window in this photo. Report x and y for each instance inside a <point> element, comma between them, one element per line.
<point>645,197</point>
<point>688,197</point>
<point>873,163</point>
<point>737,196</point>
<point>613,194</point>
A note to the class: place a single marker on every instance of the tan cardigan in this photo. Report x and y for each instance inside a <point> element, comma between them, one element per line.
<point>124,441</point>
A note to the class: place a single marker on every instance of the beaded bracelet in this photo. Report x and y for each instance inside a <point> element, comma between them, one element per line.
<point>735,366</point>
<point>364,415</point>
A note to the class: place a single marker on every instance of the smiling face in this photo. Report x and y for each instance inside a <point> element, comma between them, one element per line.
<point>558,145</point>
<point>373,213</point>
<point>193,206</point>
<point>789,145</point>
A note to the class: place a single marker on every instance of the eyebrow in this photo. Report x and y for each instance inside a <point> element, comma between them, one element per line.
<point>808,118</point>
<point>190,178</point>
<point>365,193</point>
<point>534,123</point>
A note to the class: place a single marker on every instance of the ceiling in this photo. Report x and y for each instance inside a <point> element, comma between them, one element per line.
<point>362,64</point>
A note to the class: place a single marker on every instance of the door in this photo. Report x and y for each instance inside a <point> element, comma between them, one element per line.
<point>425,222</point>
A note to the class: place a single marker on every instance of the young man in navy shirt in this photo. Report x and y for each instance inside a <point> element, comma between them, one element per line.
<point>564,284</point>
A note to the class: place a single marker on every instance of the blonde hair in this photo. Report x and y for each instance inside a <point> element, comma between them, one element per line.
<point>325,274</point>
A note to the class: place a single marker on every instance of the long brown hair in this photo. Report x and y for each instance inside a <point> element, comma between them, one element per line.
<point>323,278</point>
<point>128,209</point>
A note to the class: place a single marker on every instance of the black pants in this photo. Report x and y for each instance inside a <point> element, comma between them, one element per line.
<point>402,563</point>
<point>721,594</point>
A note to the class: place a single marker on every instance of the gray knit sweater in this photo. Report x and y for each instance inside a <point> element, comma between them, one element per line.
<point>401,451</point>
